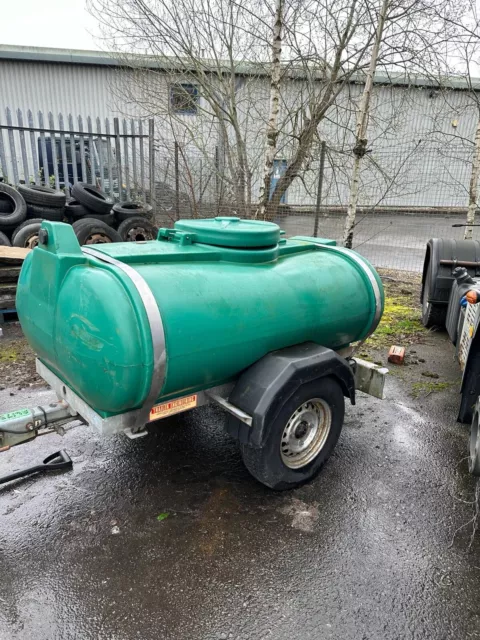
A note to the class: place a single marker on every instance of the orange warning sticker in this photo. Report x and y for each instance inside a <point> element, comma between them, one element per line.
<point>172,407</point>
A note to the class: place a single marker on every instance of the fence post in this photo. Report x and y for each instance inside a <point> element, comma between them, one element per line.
<point>320,186</point>
<point>3,159</point>
<point>142,161</point>
<point>23,147</point>
<point>151,162</point>
<point>11,140</point>
<point>177,184</point>
<point>111,192</point>
<point>33,144</point>
<point>135,189</point>
<point>43,147</point>
<point>73,149</point>
<point>83,161</point>
<point>100,154</point>
<point>118,155</point>
<point>217,181</point>
<point>200,188</point>
<point>63,149</point>
<point>126,162</point>
<point>91,155</point>
<point>53,148</point>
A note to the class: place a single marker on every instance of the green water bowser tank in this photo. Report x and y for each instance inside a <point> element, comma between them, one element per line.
<point>188,311</point>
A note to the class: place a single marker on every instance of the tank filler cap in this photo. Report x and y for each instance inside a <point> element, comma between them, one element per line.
<point>235,233</point>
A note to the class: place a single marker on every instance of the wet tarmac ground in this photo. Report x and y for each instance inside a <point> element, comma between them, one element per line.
<point>373,549</point>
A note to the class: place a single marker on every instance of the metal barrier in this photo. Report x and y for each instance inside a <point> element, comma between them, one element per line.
<point>120,161</point>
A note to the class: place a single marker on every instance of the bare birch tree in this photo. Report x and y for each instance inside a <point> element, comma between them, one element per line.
<point>221,47</point>
<point>468,50</point>
<point>272,125</point>
<point>410,39</point>
<point>214,48</point>
<point>360,148</point>
<point>473,188</point>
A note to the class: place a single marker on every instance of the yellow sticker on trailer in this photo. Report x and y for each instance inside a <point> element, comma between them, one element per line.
<point>173,407</point>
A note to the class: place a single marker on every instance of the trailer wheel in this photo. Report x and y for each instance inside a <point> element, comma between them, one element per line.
<point>433,315</point>
<point>301,437</point>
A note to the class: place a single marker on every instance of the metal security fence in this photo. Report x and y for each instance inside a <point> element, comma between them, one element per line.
<point>118,155</point>
<point>409,193</point>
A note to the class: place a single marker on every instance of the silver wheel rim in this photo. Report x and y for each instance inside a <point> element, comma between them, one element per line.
<point>305,433</point>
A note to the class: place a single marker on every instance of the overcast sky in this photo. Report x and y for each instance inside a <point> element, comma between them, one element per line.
<point>48,23</point>
<point>64,24</point>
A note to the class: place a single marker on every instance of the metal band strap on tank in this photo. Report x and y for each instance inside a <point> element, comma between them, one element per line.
<point>371,277</point>
<point>156,329</point>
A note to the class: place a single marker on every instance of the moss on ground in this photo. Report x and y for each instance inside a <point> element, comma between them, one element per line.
<point>401,321</point>
<point>8,352</point>
<point>426,388</point>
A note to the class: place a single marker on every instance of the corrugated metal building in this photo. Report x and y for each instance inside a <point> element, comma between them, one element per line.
<point>77,82</point>
<point>420,141</point>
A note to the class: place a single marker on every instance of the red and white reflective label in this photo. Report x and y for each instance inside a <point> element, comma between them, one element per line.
<point>172,407</point>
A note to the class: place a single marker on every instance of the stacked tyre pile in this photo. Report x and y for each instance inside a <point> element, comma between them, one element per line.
<point>94,216</point>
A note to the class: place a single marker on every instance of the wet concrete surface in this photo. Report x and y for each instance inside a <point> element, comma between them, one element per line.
<point>392,241</point>
<point>367,551</point>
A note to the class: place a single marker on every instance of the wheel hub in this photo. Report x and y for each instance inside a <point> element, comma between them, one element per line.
<point>98,238</point>
<point>32,242</point>
<point>138,234</point>
<point>301,430</point>
<point>305,433</point>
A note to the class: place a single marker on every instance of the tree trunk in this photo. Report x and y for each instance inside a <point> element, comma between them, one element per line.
<point>272,126</point>
<point>472,192</point>
<point>361,130</point>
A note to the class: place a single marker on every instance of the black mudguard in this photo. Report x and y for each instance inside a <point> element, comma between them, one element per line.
<point>264,388</point>
<point>441,278</point>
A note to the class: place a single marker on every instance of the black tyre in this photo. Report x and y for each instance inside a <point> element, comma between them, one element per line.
<point>137,229</point>
<point>301,438</point>
<point>26,235</point>
<point>91,231</point>
<point>42,196</point>
<point>4,241</point>
<point>74,210</point>
<point>45,213</point>
<point>18,213</point>
<point>6,204</point>
<point>26,223</point>
<point>92,197</point>
<point>109,218</point>
<point>433,315</point>
<point>125,210</point>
